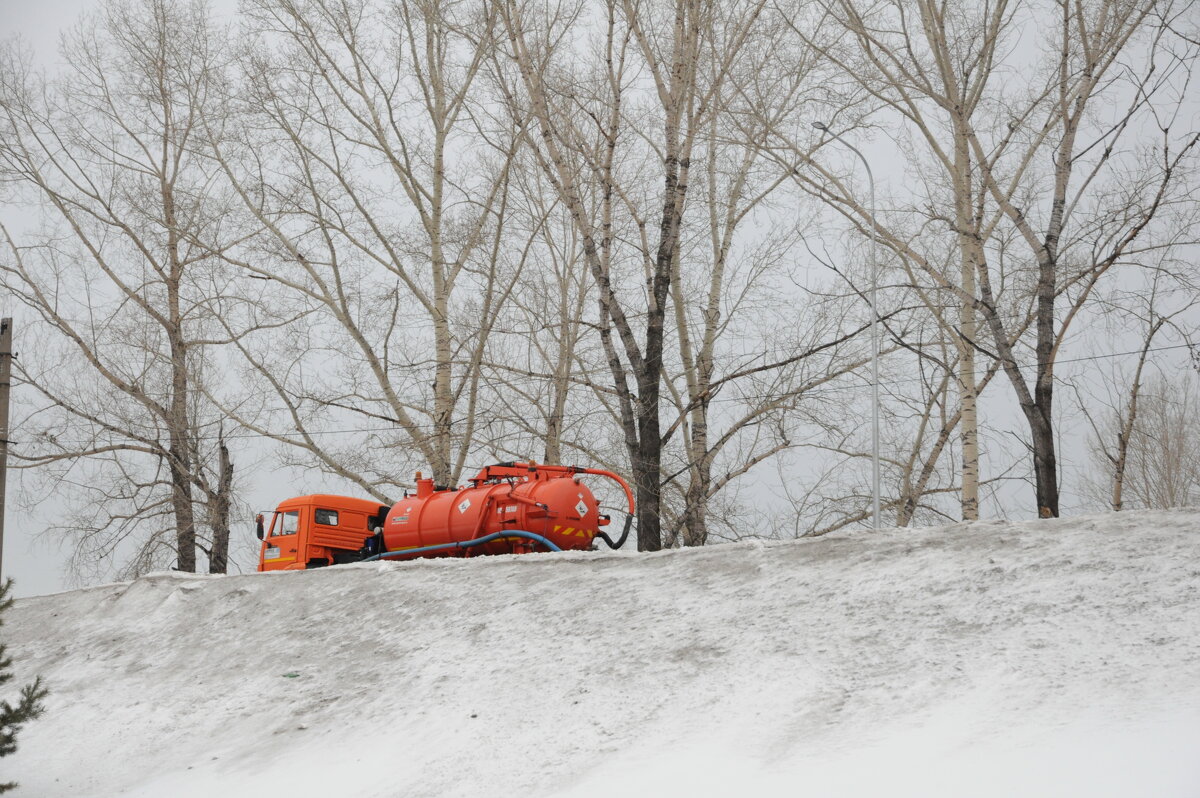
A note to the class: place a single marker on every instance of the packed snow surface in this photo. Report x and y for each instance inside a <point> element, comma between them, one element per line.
<point>1052,658</point>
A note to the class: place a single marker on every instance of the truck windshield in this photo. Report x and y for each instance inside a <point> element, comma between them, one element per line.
<point>286,523</point>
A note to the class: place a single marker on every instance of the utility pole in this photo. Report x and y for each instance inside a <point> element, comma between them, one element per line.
<point>5,383</point>
<point>875,522</point>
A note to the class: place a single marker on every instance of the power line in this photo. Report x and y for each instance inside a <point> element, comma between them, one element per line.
<point>912,380</point>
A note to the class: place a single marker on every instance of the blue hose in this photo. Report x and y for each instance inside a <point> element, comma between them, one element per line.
<point>466,544</point>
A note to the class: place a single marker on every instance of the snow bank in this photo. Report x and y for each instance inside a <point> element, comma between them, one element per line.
<point>1052,658</point>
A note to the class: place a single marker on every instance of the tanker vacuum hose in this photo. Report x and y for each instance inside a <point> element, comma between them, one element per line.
<point>624,534</point>
<point>466,544</point>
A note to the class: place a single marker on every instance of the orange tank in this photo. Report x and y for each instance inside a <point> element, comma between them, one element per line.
<point>550,501</point>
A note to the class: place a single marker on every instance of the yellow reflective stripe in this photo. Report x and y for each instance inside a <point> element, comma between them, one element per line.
<point>280,559</point>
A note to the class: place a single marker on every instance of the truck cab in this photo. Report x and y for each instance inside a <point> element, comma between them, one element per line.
<point>317,530</point>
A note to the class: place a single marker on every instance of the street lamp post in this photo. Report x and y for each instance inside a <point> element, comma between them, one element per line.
<point>874,328</point>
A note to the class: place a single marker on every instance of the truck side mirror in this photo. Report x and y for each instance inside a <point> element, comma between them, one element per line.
<point>258,521</point>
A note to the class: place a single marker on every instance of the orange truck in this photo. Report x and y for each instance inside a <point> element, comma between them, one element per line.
<point>508,508</point>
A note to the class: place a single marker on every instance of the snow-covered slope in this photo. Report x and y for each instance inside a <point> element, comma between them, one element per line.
<point>1050,658</point>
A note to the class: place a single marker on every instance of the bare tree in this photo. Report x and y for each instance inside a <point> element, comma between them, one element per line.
<point>1161,469</point>
<point>379,223</point>
<point>744,342</point>
<point>1042,197</point>
<point>584,130</point>
<point>124,295</point>
<point>1122,440</point>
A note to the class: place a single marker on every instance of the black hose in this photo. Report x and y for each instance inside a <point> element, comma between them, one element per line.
<point>624,534</point>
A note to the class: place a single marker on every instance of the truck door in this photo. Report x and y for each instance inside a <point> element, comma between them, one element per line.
<point>282,544</point>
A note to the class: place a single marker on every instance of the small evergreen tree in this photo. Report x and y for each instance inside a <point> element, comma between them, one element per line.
<point>14,716</point>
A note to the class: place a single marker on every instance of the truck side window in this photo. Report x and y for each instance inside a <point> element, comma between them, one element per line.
<point>291,523</point>
<point>327,517</point>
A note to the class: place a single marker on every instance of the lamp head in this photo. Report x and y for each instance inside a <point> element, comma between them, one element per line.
<point>820,126</point>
